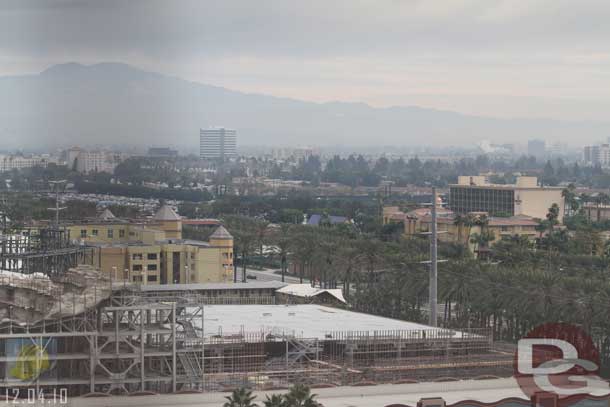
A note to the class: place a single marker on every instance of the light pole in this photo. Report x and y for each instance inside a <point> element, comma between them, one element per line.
<point>433,262</point>
<point>433,282</point>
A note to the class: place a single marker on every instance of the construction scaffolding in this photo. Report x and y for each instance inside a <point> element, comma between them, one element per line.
<point>126,346</point>
<point>46,251</point>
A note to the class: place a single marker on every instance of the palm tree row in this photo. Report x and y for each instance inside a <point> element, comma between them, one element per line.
<point>298,396</point>
<point>565,278</point>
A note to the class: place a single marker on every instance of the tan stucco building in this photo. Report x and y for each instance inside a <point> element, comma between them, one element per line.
<point>154,252</point>
<point>418,222</point>
<point>524,198</point>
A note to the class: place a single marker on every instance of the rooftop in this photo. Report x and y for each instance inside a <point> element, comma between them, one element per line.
<point>306,291</point>
<point>201,222</point>
<point>214,286</point>
<point>106,215</point>
<point>315,219</point>
<point>298,320</point>
<point>166,213</point>
<point>221,234</point>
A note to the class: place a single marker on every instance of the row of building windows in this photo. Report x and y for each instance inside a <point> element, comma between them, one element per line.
<point>109,233</point>
<point>150,279</point>
<point>494,201</point>
<point>149,267</point>
<point>140,256</point>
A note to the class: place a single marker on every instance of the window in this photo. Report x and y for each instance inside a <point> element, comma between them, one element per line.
<point>94,232</point>
<point>110,233</point>
<point>137,267</point>
<point>121,233</point>
<point>152,278</point>
<point>151,256</point>
<point>136,256</point>
<point>83,233</point>
<point>151,267</point>
<point>136,279</point>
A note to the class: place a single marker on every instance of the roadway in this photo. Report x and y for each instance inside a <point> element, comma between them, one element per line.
<point>269,275</point>
<point>349,396</point>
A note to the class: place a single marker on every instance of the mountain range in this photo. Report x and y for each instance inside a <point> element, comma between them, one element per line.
<point>113,103</point>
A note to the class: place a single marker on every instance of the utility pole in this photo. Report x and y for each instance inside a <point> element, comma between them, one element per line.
<point>56,186</point>
<point>433,262</point>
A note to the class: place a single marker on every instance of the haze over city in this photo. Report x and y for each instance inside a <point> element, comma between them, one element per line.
<point>325,203</point>
<point>508,59</point>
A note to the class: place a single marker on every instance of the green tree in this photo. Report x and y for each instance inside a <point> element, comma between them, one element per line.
<point>571,200</point>
<point>245,241</point>
<point>281,239</point>
<point>276,400</point>
<point>240,398</point>
<point>301,396</point>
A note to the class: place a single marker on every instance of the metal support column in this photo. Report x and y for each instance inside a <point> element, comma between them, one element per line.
<point>174,347</point>
<point>142,342</point>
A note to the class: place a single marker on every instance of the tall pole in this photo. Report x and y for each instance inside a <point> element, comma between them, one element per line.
<point>433,262</point>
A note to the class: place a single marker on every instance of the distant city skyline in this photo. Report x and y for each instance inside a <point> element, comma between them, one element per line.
<point>543,58</point>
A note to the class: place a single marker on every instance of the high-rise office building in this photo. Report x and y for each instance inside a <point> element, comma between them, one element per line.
<point>597,155</point>
<point>536,148</point>
<point>217,143</point>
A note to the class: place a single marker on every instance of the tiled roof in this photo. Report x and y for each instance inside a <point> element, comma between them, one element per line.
<point>221,233</point>
<point>106,215</point>
<point>166,213</point>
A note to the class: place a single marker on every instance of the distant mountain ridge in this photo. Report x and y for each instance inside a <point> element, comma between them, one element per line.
<point>113,103</point>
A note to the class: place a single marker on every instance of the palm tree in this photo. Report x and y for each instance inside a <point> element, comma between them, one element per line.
<point>260,235</point>
<point>300,396</point>
<point>328,244</point>
<point>240,398</point>
<point>303,247</point>
<point>282,240</point>
<point>552,216</point>
<point>459,222</point>
<point>276,400</point>
<point>349,257</point>
<point>571,200</point>
<point>243,230</point>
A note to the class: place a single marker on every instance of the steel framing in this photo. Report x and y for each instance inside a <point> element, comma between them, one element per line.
<point>132,344</point>
<point>48,251</point>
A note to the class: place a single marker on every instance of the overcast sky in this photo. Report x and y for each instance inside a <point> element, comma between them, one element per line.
<point>504,58</point>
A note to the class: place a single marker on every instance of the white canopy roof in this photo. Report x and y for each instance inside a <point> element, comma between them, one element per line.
<point>306,290</point>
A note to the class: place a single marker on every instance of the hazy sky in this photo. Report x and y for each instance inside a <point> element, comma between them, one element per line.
<point>535,58</point>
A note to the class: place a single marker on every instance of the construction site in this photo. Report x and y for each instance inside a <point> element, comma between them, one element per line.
<point>65,325</point>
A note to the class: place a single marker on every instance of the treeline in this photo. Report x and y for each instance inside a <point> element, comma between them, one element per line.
<point>356,171</point>
<point>23,207</point>
<point>518,285</point>
<point>289,208</point>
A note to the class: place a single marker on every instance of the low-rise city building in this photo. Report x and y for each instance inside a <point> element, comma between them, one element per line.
<point>154,252</point>
<point>20,161</point>
<point>85,161</point>
<point>524,198</point>
<point>462,229</point>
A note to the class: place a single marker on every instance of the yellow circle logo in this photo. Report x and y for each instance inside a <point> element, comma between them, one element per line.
<point>31,362</point>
